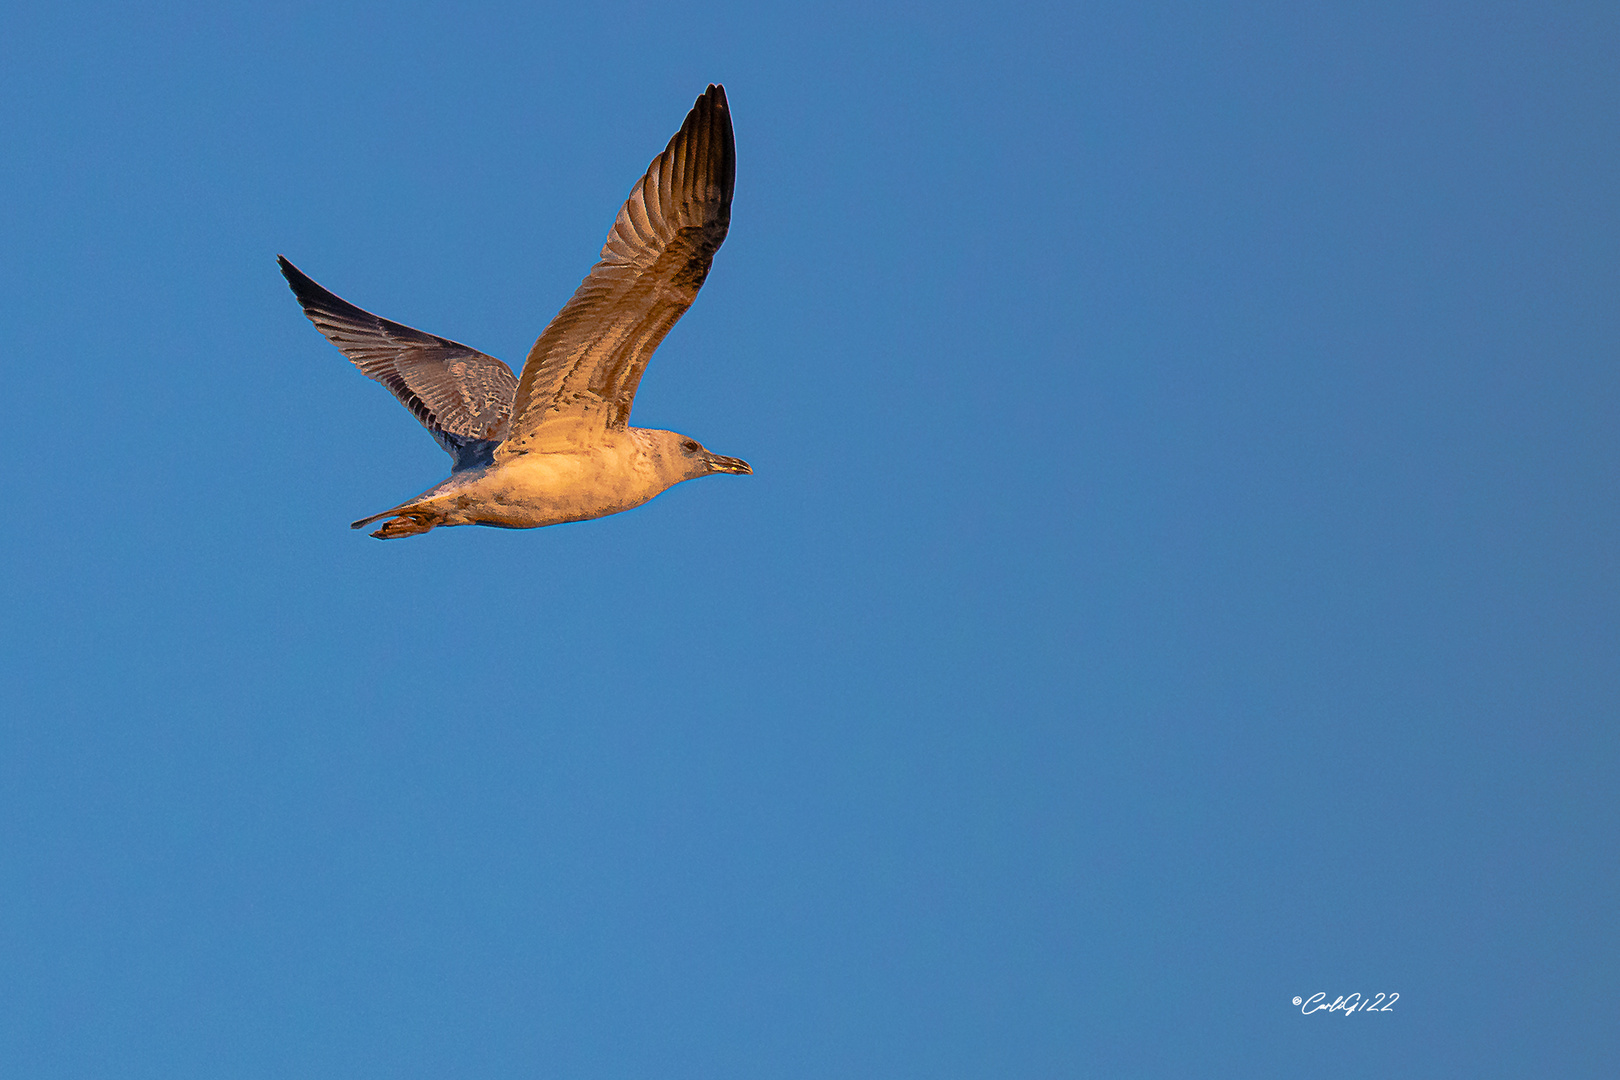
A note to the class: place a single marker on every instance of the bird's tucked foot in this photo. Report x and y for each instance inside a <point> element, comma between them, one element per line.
<point>405,525</point>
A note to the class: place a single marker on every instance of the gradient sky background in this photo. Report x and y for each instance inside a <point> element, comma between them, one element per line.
<point>1180,571</point>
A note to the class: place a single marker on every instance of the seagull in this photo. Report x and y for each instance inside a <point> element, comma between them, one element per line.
<point>554,444</point>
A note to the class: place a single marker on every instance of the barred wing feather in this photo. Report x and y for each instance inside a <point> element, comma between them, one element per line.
<point>462,396</point>
<point>586,365</point>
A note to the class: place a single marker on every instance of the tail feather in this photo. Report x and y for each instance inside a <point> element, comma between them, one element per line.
<point>363,522</point>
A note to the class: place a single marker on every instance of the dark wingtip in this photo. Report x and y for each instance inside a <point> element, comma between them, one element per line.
<point>712,100</point>
<point>313,296</point>
<point>303,286</point>
<point>720,123</point>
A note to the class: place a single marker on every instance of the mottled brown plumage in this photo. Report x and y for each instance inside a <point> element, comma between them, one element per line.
<point>554,445</point>
<point>459,394</point>
<point>588,362</point>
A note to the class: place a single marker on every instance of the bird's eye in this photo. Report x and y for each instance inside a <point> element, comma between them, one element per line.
<point>689,446</point>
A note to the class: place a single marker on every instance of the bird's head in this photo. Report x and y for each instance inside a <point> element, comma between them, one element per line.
<point>691,459</point>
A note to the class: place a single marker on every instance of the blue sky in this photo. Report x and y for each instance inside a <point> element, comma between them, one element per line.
<point>1178,573</point>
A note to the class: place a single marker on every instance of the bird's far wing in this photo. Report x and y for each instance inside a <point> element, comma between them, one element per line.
<point>586,364</point>
<point>462,396</point>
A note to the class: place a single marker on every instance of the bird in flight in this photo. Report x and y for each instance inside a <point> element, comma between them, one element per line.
<point>554,444</point>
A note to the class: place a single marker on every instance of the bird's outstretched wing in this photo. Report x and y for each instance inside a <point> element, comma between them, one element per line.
<point>586,364</point>
<point>461,395</point>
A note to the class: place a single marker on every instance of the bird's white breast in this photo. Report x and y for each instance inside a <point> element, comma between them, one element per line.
<point>567,483</point>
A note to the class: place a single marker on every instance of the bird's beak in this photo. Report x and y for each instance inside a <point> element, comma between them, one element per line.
<point>728,464</point>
